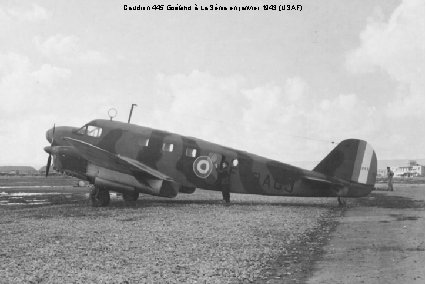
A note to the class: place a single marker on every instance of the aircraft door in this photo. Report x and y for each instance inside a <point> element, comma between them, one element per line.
<point>235,179</point>
<point>215,159</point>
<point>232,170</point>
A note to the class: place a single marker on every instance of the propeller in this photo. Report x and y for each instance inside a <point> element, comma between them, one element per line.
<point>49,160</point>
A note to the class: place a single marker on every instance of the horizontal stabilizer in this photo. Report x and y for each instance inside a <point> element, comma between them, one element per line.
<point>106,159</point>
<point>315,179</point>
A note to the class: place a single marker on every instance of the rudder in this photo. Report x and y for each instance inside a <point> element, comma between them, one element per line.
<point>352,160</point>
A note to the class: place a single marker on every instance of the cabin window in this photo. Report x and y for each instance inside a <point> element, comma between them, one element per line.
<point>168,147</point>
<point>235,162</point>
<point>191,152</point>
<point>143,142</point>
<point>94,131</point>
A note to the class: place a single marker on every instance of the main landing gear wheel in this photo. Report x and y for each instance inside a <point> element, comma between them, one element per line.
<point>130,196</point>
<point>342,201</point>
<point>99,197</point>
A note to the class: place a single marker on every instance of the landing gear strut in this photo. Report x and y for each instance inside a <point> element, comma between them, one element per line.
<point>99,197</point>
<point>342,202</point>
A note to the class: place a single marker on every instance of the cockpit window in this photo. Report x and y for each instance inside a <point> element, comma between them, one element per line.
<point>82,130</point>
<point>90,130</point>
<point>94,131</point>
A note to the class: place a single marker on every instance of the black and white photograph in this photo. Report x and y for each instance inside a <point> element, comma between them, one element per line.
<point>247,141</point>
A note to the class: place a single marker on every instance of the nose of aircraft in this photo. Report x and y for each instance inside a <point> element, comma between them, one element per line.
<point>49,135</point>
<point>55,134</point>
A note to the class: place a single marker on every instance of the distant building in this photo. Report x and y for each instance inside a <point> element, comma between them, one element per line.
<point>17,171</point>
<point>419,170</point>
<point>42,171</point>
<point>410,169</point>
<point>413,170</point>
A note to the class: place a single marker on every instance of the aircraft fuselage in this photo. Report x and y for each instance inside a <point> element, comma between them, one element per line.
<point>191,163</point>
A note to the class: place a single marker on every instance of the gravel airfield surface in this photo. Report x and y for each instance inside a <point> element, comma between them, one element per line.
<point>190,239</point>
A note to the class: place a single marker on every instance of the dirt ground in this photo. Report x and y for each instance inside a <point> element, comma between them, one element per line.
<point>50,234</point>
<point>379,239</point>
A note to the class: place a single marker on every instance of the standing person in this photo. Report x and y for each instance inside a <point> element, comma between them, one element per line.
<point>225,180</point>
<point>390,178</point>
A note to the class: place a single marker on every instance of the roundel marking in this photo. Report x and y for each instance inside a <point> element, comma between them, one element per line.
<point>203,166</point>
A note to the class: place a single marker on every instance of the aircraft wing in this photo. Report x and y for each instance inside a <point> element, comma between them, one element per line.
<point>103,158</point>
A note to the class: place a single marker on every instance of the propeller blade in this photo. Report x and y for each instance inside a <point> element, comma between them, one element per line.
<point>49,150</point>
<point>53,134</point>
<point>49,161</point>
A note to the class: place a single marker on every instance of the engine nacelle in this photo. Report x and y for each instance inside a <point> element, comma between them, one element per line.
<point>121,182</point>
<point>168,189</point>
<point>65,160</point>
<point>113,186</point>
<point>187,189</point>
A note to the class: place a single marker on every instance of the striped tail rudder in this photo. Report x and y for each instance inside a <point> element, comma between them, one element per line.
<point>352,160</point>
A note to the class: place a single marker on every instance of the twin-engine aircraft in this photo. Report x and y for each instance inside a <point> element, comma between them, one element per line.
<point>131,159</point>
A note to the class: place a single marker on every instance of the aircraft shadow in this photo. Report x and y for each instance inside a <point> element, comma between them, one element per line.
<point>217,203</point>
<point>377,199</point>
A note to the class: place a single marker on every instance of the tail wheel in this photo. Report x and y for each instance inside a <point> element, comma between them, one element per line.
<point>131,196</point>
<point>99,197</point>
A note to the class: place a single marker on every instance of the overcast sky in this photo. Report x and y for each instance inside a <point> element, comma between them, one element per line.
<point>278,84</point>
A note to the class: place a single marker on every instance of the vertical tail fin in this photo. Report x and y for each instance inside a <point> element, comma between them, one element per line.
<point>352,160</point>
